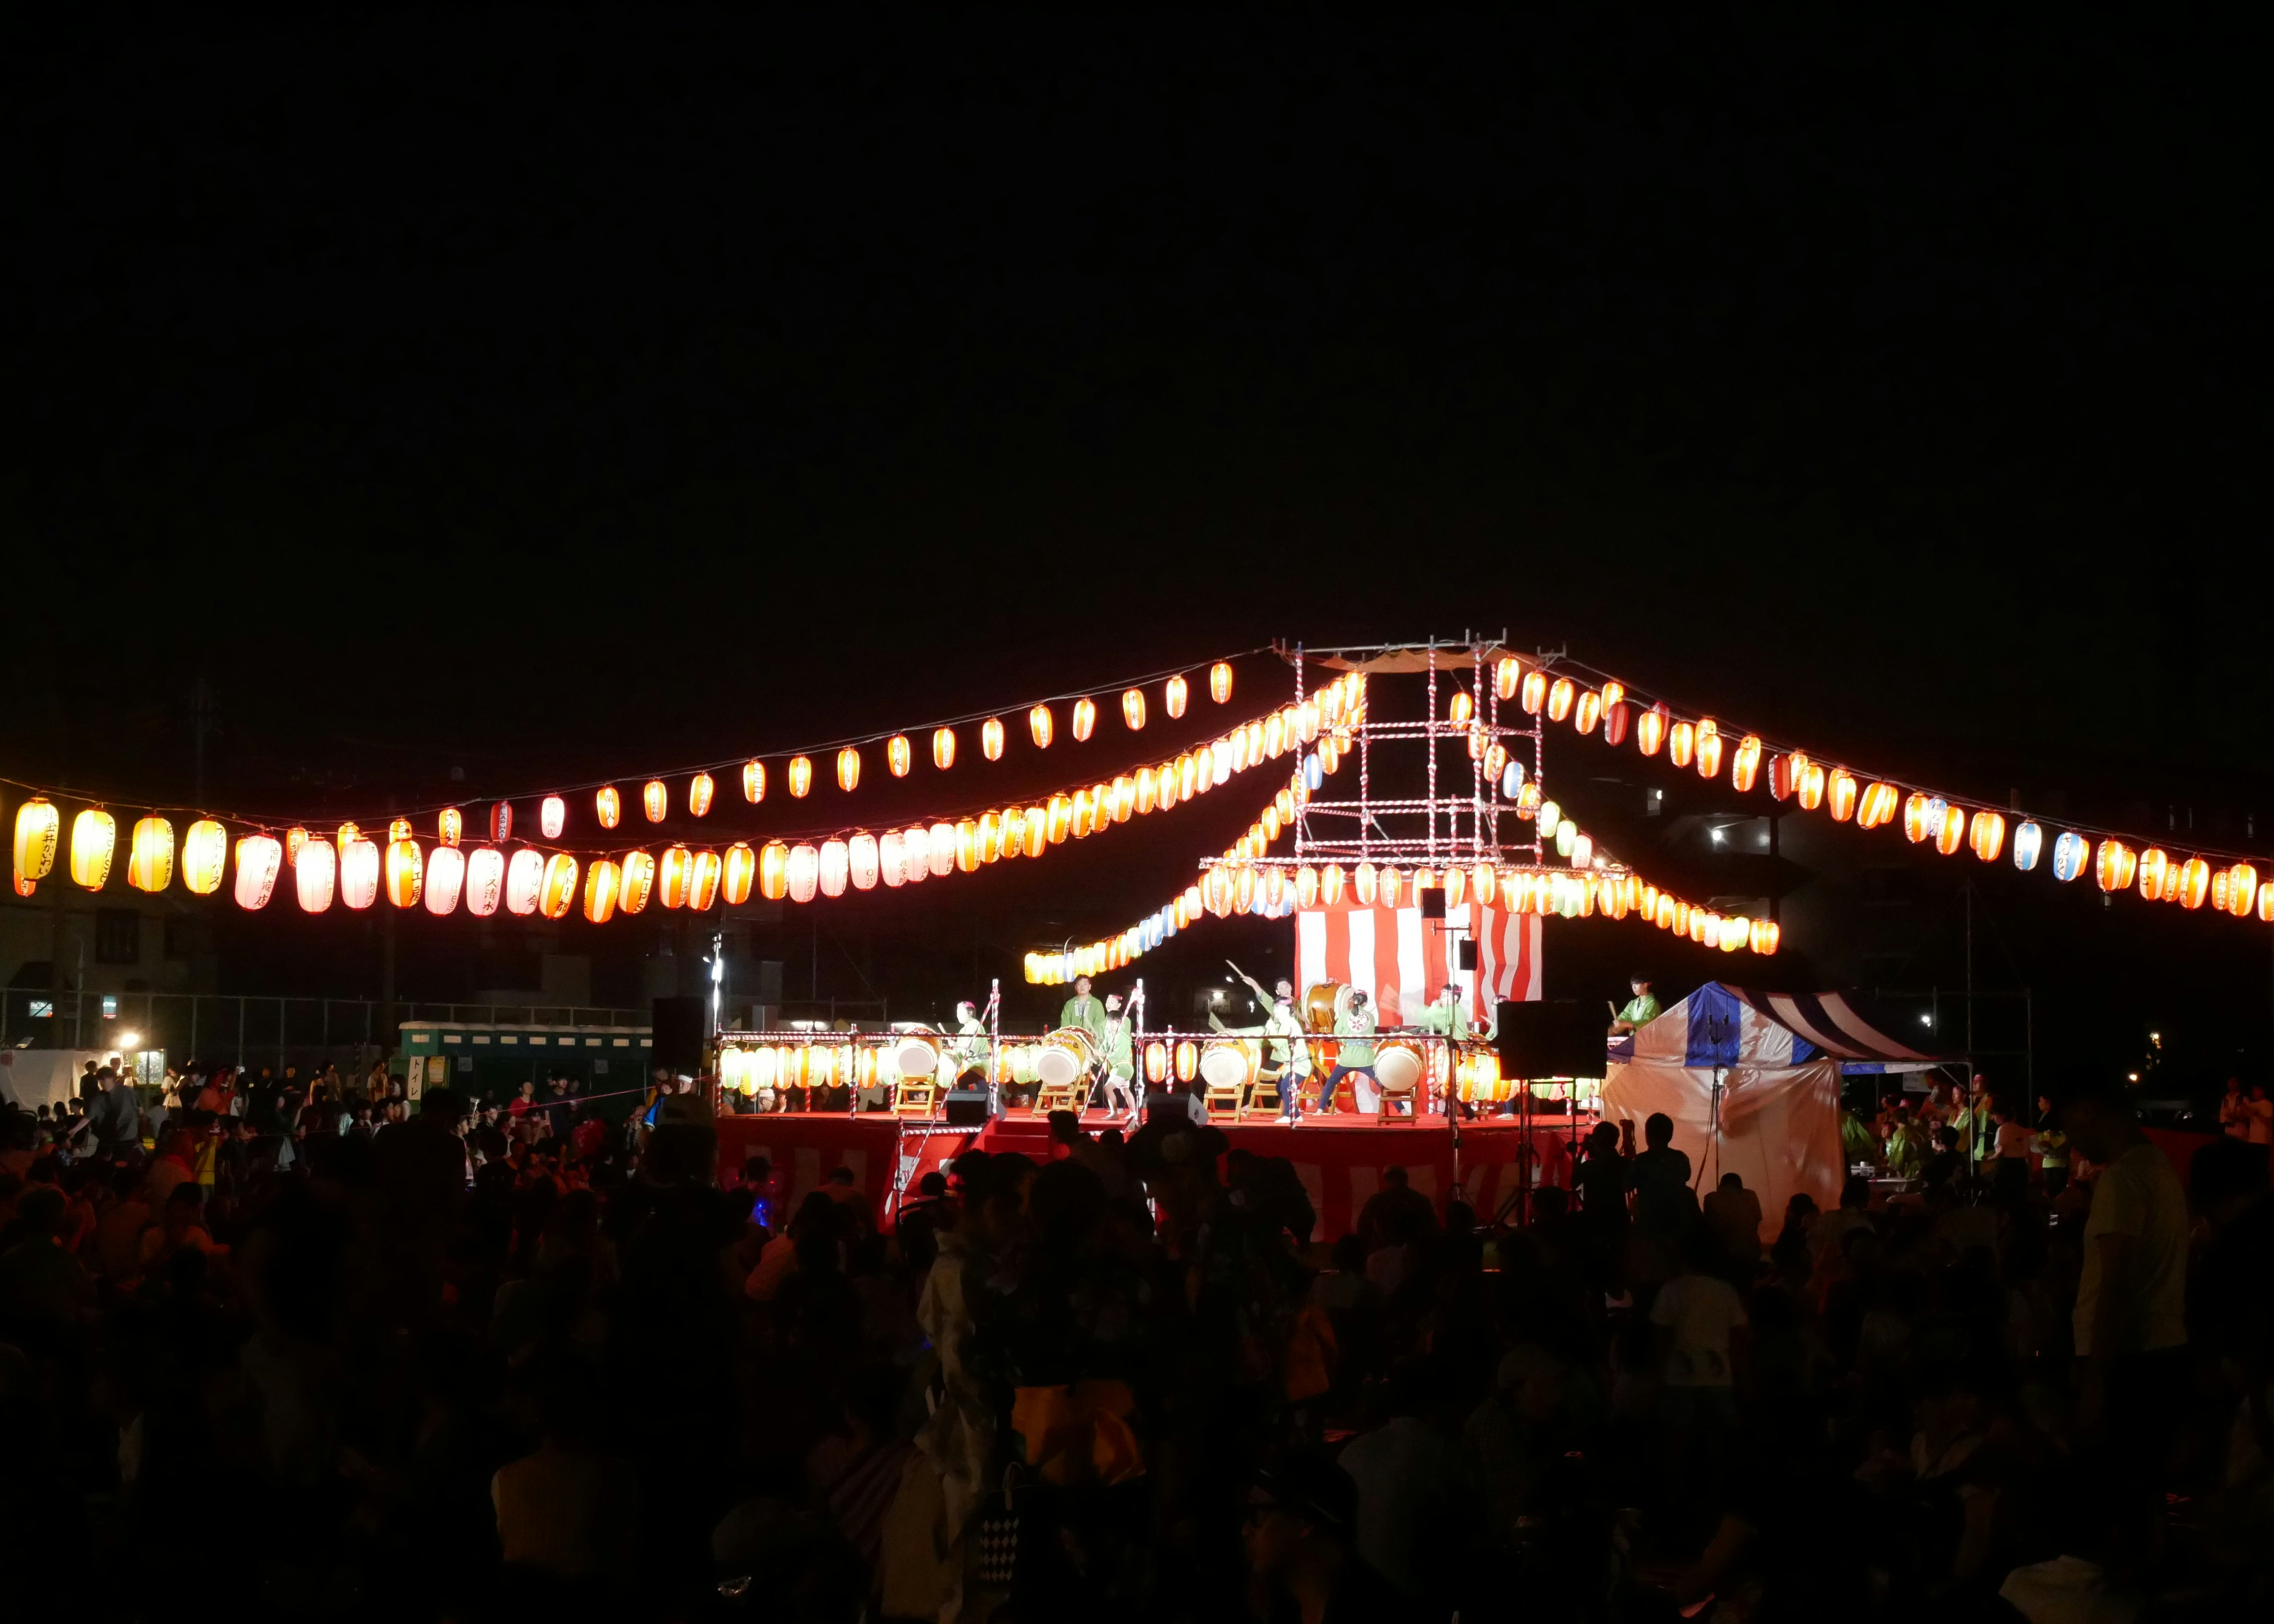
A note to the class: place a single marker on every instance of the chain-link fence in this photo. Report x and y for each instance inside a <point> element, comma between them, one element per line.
<point>244,1030</point>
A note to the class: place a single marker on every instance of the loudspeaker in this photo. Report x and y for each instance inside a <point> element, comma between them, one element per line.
<point>1465,955</point>
<point>681,1025</point>
<point>1562,1038</point>
<point>965,1108</point>
<point>1432,898</point>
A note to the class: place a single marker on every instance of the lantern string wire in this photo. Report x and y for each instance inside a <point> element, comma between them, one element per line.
<point>1564,664</point>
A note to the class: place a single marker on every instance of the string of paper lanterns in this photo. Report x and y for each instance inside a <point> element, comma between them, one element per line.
<point>2227,883</point>
<point>358,872</point>
<point>352,869</point>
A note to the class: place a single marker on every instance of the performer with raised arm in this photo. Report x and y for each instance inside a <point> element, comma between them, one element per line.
<point>1284,1057</point>
<point>969,1047</point>
<point>1444,1014</point>
<point>1354,1025</point>
<point>1120,1058</point>
<point>1283,989</point>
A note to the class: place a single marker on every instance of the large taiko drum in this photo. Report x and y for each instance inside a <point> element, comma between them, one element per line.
<point>916,1053</point>
<point>1065,1056</point>
<point>1229,1063</point>
<point>1322,1002</point>
<point>1399,1065</point>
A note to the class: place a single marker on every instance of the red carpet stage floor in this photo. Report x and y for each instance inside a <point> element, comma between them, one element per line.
<point>1340,1159</point>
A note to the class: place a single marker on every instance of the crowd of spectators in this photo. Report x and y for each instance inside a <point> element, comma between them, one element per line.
<point>518,1362</point>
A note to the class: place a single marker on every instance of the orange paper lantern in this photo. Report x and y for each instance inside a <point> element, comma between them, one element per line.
<point>1133,708</point>
<point>406,873</point>
<point>699,791</point>
<point>990,738</point>
<point>1172,698</point>
<point>558,893</point>
<point>95,836</point>
<point>601,883</point>
<point>801,777</point>
<point>674,872</point>
<point>1987,836</point>
<point>741,868</point>
<point>899,756</point>
<point>1085,720</point>
<point>849,768</point>
<point>754,781</point>
<point>702,884</point>
<point>205,857</point>
<point>150,855</point>
<point>655,801</point>
<point>773,871</point>
<point>634,881</point>
<point>942,748</point>
<point>607,807</point>
<point>1220,681</point>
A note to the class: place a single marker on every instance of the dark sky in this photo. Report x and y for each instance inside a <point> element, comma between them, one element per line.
<point>545,396</point>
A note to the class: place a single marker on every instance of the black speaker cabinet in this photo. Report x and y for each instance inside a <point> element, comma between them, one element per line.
<point>1560,1039</point>
<point>680,1026</point>
<point>965,1108</point>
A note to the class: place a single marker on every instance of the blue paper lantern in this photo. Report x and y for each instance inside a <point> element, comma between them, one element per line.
<point>2072,855</point>
<point>2028,841</point>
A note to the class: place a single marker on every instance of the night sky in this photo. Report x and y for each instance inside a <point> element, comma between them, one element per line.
<point>545,398</point>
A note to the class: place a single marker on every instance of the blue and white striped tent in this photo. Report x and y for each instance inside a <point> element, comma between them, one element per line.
<point>1718,1024</point>
<point>1751,1081</point>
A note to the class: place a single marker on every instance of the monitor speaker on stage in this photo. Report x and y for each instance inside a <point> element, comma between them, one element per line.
<point>1432,898</point>
<point>679,1027</point>
<point>1465,955</point>
<point>1563,1038</point>
<point>965,1108</point>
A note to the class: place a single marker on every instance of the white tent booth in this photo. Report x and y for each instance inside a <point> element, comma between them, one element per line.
<point>1751,1081</point>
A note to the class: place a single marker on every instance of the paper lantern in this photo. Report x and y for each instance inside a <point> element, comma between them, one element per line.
<point>1843,793</point>
<point>442,879</point>
<point>1566,836</point>
<point>1156,1061</point>
<point>601,881</point>
<point>1216,890</point>
<point>702,884</point>
<point>860,861</point>
<point>1220,681</point>
<point>2114,865</point>
<point>1985,837</point>
<point>942,748</point>
<point>1762,937</point>
<point>1709,749</point>
<point>2154,867</point>
<point>1922,816</point>
<point>699,791</point>
<point>1085,720</point>
<point>1243,889</point>
<point>831,867</point>
<point>315,872</point>
<point>1172,697</point>
<point>1952,833</point>
<point>674,869</point>
<point>346,834</point>
<point>551,816</point>
<point>2028,843</point>
<point>773,871</point>
<point>1274,734</point>
<point>1133,708</point>
<point>1877,806</point>
<point>557,894</point>
<point>406,873</point>
<point>899,756</point>
<point>915,848</point>
<point>849,768</point>
<point>1365,885</point>
<point>398,829</point>
<point>2072,854</point>
<point>500,821</point>
<point>803,872</point>
<point>1188,1060</point>
<point>2239,891</point>
<point>740,867</point>
<point>1807,785</point>
<point>205,857</point>
<point>1455,886</point>
<point>634,881</point>
<point>892,858</point>
<point>150,855</point>
<point>259,859</point>
<point>1616,719</point>
<point>1037,834</point>
<point>1650,730</point>
<point>1560,695</point>
<point>2266,901</point>
<point>38,827</point>
<point>947,848</point>
<point>1587,712</point>
<point>1507,674</point>
<point>1746,764</point>
<point>94,837</point>
<point>1781,777</point>
<point>1121,799</point>
<point>655,801</point>
<point>1460,708</point>
<point>1682,743</point>
<point>608,805</point>
<point>2194,884</point>
<point>1220,754</point>
<point>1330,885</point>
<point>295,837</point>
<point>990,738</point>
<point>1533,692</point>
<point>525,881</point>
<point>754,781</point>
<point>360,873</point>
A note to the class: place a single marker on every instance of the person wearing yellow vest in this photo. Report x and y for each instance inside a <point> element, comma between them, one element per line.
<point>1085,1012</point>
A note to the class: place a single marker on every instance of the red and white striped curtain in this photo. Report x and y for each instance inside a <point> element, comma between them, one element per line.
<point>1400,959</point>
